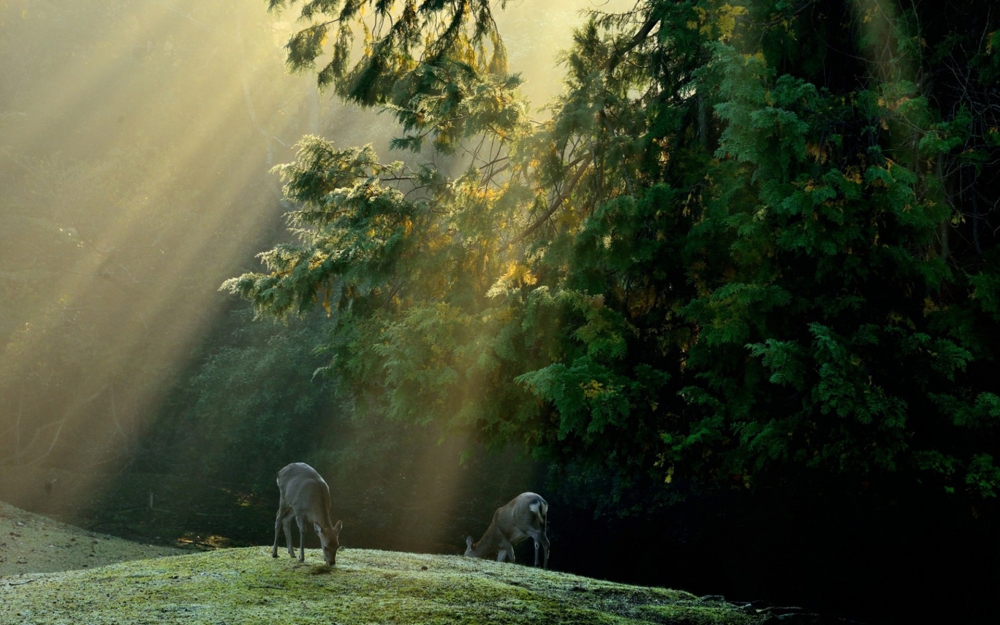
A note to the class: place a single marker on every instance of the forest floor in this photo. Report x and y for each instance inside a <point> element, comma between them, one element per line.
<point>55,573</point>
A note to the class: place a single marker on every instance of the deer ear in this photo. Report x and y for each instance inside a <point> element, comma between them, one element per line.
<point>339,526</point>
<point>468,541</point>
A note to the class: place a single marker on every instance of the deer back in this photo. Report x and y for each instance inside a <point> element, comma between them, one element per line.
<point>306,492</point>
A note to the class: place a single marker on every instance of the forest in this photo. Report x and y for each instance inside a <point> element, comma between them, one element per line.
<point>720,278</point>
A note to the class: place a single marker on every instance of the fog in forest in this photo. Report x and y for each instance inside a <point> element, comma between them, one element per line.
<point>136,146</point>
<point>788,460</point>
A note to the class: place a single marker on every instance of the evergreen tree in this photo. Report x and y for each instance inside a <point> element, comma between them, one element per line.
<point>753,245</point>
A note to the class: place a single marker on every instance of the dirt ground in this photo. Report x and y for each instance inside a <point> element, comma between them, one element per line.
<point>30,543</point>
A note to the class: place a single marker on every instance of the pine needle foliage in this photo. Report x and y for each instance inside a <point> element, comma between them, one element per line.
<point>754,244</point>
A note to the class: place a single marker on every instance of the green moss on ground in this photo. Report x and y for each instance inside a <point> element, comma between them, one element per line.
<point>248,586</point>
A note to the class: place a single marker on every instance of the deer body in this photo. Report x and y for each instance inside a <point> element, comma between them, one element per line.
<point>305,497</point>
<point>525,516</point>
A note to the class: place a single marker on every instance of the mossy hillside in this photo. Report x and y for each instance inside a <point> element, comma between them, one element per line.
<point>366,586</point>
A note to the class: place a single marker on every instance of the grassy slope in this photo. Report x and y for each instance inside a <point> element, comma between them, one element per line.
<point>248,586</point>
<point>31,543</point>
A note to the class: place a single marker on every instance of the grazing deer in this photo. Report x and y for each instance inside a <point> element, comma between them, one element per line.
<point>524,516</point>
<point>305,495</point>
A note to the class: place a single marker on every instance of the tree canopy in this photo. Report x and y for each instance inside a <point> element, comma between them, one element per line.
<point>751,243</point>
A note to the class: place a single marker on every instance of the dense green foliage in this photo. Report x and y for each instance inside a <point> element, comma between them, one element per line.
<point>253,396</point>
<point>753,244</point>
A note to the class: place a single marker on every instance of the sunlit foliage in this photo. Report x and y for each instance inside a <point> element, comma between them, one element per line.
<point>752,245</point>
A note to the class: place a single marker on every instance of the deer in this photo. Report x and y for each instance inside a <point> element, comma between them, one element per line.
<point>524,516</point>
<point>306,497</point>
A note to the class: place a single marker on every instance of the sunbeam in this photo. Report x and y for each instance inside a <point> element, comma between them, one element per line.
<point>159,188</point>
<point>137,142</point>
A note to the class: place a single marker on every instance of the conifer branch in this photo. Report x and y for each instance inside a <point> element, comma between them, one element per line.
<point>584,165</point>
<point>638,38</point>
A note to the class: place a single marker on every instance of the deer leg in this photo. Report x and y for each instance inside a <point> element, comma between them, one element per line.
<point>541,542</point>
<point>277,530</point>
<point>506,553</point>
<point>287,524</point>
<point>302,539</point>
<point>545,548</point>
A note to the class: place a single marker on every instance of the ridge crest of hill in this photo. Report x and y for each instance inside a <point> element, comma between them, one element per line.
<point>247,585</point>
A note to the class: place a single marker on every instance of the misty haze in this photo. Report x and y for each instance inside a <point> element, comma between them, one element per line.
<point>710,287</point>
